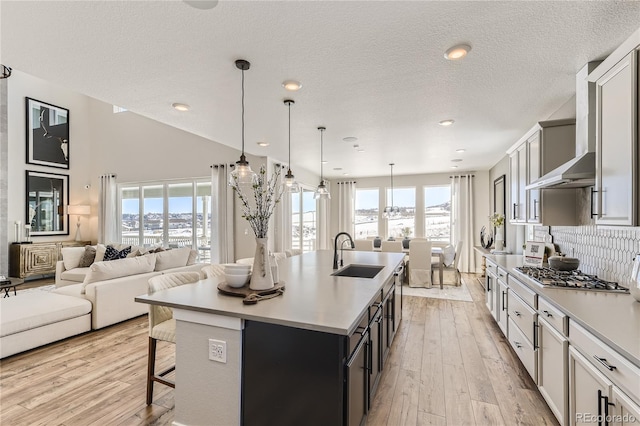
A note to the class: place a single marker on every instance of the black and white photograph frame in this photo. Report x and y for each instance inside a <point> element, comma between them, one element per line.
<point>47,134</point>
<point>47,197</point>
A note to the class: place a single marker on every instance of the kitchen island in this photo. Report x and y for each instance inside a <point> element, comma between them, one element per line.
<point>293,359</point>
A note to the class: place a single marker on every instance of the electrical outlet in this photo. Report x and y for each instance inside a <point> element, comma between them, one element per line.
<point>218,350</point>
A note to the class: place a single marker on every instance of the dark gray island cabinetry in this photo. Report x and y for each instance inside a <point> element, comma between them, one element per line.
<point>312,356</point>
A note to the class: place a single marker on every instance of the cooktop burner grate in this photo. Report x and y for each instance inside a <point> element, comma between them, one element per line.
<point>569,279</point>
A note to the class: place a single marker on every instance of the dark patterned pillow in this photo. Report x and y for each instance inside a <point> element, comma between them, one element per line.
<point>113,254</point>
<point>88,257</point>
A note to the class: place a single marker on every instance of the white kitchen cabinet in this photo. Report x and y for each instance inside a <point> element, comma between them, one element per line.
<point>617,143</point>
<point>625,411</point>
<point>546,146</point>
<point>501,308</point>
<point>518,181</point>
<point>589,391</point>
<point>553,349</point>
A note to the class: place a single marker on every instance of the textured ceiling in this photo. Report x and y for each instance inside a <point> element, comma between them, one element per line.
<point>370,69</point>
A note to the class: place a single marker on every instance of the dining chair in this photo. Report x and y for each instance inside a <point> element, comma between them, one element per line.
<point>391,246</point>
<point>364,245</point>
<point>420,264</point>
<point>452,265</point>
<point>162,325</point>
<point>213,271</point>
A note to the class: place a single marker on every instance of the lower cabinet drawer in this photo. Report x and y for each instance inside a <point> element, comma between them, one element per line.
<point>609,362</point>
<point>522,315</point>
<point>524,349</point>
<point>557,319</point>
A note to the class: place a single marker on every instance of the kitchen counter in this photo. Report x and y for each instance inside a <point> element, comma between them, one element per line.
<point>313,299</point>
<point>612,317</point>
<point>296,347</point>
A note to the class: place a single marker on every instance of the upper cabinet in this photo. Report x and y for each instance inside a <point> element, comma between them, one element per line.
<point>546,146</point>
<point>616,201</point>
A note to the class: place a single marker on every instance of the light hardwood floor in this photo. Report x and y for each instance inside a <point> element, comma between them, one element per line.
<point>449,365</point>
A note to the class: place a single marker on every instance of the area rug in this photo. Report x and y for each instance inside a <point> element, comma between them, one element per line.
<point>450,292</point>
<point>31,290</point>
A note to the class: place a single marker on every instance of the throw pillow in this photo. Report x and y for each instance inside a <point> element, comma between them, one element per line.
<point>193,256</point>
<point>134,253</point>
<point>71,256</point>
<point>112,253</point>
<point>88,257</point>
<point>169,259</point>
<point>100,249</point>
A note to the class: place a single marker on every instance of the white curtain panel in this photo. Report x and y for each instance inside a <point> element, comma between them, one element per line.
<point>462,189</point>
<point>107,210</point>
<point>282,223</point>
<point>322,233</point>
<point>346,207</point>
<point>222,250</point>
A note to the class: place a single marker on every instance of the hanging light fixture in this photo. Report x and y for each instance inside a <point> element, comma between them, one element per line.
<point>391,211</point>
<point>290,183</point>
<point>322,193</point>
<point>242,172</point>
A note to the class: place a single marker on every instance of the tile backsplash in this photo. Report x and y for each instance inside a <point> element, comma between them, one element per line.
<point>607,252</point>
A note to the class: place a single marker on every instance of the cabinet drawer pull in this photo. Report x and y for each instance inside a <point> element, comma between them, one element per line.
<point>535,336</point>
<point>504,303</point>
<point>593,213</point>
<point>535,209</point>
<point>516,313</point>
<point>604,362</point>
<point>514,211</point>
<point>547,313</point>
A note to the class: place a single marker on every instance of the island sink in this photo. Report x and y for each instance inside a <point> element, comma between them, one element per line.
<point>359,271</point>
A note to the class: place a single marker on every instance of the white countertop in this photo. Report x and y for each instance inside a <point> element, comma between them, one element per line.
<point>313,299</point>
<point>612,317</point>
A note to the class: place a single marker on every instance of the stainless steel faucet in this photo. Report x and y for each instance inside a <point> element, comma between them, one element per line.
<point>335,248</point>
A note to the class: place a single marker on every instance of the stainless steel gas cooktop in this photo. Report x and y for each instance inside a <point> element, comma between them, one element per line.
<point>569,279</point>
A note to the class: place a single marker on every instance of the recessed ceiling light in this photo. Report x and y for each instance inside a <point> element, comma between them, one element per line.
<point>350,139</point>
<point>446,123</point>
<point>454,167</point>
<point>292,85</point>
<point>324,161</point>
<point>461,150</point>
<point>202,4</point>
<point>457,52</point>
<point>337,168</point>
<point>360,150</point>
<point>180,107</point>
<point>456,160</point>
<point>262,143</point>
<point>345,174</point>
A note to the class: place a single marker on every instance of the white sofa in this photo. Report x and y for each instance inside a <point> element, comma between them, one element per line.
<point>38,318</point>
<point>112,286</point>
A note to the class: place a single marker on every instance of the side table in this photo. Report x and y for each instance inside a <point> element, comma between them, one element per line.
<point>9,284</point>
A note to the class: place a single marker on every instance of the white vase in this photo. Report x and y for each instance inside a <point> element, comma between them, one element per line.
<point>499,243</point>
<point>261,278</point>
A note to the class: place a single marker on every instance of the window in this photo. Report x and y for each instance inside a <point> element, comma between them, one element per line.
<point>437,214</point>
<point>404,224</point>
<point>367,209</point>
<point>171,214</point>
<point>303,221</point>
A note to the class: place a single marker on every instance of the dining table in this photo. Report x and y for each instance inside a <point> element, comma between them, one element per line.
<point>436,251</point>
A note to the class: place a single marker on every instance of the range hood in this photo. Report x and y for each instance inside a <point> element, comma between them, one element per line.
<point>580,171</point>
<point>576,173</point>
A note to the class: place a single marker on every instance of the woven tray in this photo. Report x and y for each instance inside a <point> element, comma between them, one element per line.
<point>244,291</point>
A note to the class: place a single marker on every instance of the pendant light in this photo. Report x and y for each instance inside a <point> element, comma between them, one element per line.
<point>391,211</point>
<point>242,173</point>
<point>290,183</point>
<point>322,193</point>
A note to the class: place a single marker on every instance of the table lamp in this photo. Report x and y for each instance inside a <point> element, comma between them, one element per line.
<point>79,210</point>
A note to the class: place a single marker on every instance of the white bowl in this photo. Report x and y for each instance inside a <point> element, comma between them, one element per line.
<point>234,267</point>
<point>237,281</point>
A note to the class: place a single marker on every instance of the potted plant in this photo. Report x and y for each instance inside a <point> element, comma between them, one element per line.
<point>497,220</point>
<point>406,233</point>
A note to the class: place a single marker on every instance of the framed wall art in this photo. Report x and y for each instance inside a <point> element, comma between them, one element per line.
<point>46,200</point>
<point>47,134</point>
